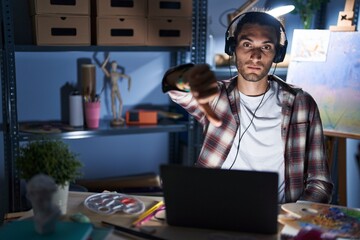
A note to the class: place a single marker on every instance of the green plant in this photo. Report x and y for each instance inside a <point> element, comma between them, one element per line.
<point>51,157</point>
<point>306,9</point>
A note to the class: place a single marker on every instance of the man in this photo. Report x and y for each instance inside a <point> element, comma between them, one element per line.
<point>256,121</point>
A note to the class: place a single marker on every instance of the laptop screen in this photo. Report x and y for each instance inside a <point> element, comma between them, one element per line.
<point>211,198</point>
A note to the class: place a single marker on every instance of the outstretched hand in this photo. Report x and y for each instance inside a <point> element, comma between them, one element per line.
<point>203,86</point>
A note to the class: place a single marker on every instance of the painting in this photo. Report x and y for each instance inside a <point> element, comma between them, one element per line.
<point>330,71</point>
<point>333,220</point>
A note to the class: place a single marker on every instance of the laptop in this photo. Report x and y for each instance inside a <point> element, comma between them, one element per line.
<point>235,200</point>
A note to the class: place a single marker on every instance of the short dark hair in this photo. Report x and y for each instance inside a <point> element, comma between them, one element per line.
<point>260,18</point>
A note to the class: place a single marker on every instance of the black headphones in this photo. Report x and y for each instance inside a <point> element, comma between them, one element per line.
<point>230,41</point>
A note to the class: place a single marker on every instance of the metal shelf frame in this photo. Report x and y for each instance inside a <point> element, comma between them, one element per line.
<point>10,187</point>
<point>106,130</point>
<point>11,183</point>
<point>198,55</point>
<point>93,48</point>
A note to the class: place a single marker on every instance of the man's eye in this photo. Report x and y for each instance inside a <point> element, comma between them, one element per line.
<point>267,47</point>
<point>246,45</point>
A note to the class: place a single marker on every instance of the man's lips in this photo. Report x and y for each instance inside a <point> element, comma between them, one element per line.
<point>254,67</point>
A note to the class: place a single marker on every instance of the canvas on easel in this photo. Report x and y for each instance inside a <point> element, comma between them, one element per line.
<point>329,70</point>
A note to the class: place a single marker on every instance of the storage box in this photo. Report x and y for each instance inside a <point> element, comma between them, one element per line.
<point>169,32</point>
<point>121,7</point>
<point>76,7</point>
<point>62,30</point>
<point>170,8</point>
<point>139,117</point>
<point>126,30</point>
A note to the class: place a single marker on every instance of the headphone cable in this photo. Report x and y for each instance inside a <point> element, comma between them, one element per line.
<point>251,121</point>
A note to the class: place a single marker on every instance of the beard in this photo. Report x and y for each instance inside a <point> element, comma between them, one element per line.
<point>251,76</point>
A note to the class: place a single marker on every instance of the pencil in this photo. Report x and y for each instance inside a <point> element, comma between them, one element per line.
<point>148,213</point>
<point>133,232</point>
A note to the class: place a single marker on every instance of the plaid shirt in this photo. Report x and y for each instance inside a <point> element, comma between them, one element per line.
<point>307,174</point>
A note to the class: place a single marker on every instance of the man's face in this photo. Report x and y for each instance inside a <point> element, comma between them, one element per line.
<point>255,51</point>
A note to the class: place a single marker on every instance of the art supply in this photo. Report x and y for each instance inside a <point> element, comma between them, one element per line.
<point>148,214</point>
<point>339,221</point>
<point>76,110</point>
<point>109,203</point>
<point>92,114</point>
<point>88,80</point>
<point>133,232</point>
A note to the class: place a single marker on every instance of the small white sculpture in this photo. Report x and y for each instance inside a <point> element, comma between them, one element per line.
<point>40,191</point>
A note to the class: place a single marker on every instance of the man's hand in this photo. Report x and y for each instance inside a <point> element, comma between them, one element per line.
<point>203,86</point>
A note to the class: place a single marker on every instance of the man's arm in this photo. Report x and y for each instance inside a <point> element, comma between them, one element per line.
<point>319,185</point>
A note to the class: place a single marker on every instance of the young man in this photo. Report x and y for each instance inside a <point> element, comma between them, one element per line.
<point>256,121</point>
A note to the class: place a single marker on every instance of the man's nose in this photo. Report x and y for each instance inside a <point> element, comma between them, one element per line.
<point>256,53</point>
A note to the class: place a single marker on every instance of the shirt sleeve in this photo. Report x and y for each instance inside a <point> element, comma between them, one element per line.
<point>318,183</point>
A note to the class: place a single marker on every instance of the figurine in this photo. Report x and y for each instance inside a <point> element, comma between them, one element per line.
<point>40,191</point>
<point>114,76</point>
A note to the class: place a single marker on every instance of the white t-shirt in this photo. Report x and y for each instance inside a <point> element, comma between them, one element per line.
<point>261,146</point>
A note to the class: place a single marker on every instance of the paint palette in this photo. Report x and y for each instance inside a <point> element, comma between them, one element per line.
<point>110,203</point>
<point>338,220</point>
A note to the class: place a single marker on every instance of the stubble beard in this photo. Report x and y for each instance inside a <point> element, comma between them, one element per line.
<point>253,77</point>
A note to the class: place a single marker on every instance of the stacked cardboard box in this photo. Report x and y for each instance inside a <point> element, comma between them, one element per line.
<point>121,22</point>
<point>116,22</point>
<point>169,23</point>
<point>144,22</point>
<point>61,22</point>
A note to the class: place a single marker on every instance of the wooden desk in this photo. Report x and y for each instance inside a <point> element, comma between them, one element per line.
<point>75,205</point>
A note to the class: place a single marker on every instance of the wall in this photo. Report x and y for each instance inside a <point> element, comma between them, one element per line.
<point>41,78</point>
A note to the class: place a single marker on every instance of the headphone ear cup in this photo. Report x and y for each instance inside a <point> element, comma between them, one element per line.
<point>280,53</point>
<point>230,46</point>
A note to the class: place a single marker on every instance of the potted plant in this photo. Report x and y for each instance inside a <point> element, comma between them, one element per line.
<point>306,10</point>
<point>53,158</point>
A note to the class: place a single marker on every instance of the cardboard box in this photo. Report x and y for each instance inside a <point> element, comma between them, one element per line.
<point>62,30</point>
<point>117,31</point>
<point>170,8</point>
<point>121,7</point>
<point>169,32</point>
<point>140,117</point>
<point>76,7</point>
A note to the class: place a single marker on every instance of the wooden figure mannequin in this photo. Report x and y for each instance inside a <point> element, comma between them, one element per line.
<point>115,76</point>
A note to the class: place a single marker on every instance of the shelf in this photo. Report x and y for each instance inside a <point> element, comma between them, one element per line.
<point>106,130</point>
<point>35,48</point>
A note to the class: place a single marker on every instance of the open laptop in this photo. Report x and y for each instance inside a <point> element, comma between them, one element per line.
<point>245,201</point>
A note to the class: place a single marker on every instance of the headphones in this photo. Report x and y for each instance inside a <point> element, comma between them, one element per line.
<point>230,41</point>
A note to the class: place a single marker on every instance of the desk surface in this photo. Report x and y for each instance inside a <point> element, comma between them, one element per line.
<point>75,205</point>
